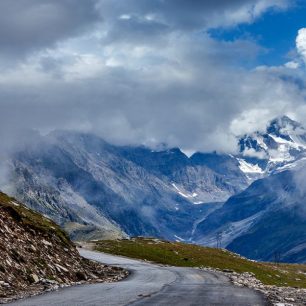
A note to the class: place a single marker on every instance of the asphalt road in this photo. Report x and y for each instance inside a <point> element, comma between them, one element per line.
<point>151,284</point>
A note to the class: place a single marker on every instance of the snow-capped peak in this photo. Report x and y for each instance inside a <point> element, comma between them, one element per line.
<point>282,125</point>
<point>283,142</point>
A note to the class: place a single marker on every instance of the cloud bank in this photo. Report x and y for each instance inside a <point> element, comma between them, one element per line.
<point>141,72</point>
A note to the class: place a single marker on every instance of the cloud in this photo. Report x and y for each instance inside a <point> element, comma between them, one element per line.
<point>184,15</point>
<point>251,120</point>
<point>28,25</point>
<point>189,99</point>
<point>301,43</point>
<point>145,21</point>
<point>292,65</point>
<point>257,154</point>
<point>139,72</point>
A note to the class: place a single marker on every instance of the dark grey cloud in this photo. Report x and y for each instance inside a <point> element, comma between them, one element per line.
<point>27,25</point>
<point>131,29</point>
<point>162,16</point>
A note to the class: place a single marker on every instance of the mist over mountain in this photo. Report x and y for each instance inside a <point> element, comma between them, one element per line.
<point>95,189</point>
<point>88,186</point>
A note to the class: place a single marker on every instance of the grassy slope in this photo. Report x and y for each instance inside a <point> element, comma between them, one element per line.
<point>187,255</point>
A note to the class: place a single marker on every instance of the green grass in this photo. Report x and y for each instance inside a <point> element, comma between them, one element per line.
<point>31,219</point>
<point>189,255</point>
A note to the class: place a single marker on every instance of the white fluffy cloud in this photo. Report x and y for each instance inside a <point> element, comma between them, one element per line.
<point>28,25</point>
<point>301,43</point>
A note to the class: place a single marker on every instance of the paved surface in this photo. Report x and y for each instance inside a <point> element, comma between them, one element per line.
<point>151,284</point>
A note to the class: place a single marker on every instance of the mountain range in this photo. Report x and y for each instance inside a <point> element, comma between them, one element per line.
<point>95,190</point>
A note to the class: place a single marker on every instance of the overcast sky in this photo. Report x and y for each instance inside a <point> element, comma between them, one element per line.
<point>193,74</point>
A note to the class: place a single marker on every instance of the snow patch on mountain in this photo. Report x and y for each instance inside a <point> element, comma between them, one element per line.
<point>249,168</point>
<point>184,194</point>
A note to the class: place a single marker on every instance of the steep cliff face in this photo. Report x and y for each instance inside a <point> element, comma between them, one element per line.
<point>36,255</point>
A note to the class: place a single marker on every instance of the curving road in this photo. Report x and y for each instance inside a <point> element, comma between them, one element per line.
<point>151,284</point>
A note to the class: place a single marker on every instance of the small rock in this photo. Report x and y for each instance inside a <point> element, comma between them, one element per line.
<point>227,271</point>
<point>34,278</point>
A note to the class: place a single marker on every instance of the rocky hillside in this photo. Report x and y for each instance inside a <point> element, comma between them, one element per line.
<point>92,188</point>
<point>266,222</point>
<point>36,255</point>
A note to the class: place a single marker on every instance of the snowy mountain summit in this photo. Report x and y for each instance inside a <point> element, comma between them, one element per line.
<point>282,146</point>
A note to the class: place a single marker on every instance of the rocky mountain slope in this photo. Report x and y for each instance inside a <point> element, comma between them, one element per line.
<point>97,190</point>
<point>267,221</point>
<point>36,255</point>
<point>201,178</point>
